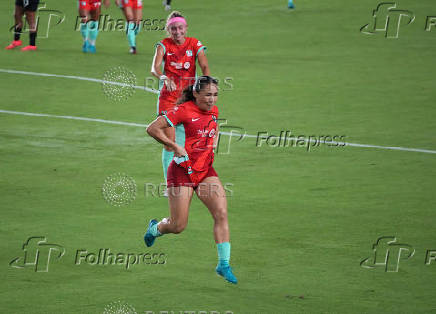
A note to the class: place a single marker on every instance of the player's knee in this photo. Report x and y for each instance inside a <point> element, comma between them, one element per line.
<point>220,214</point>
<point>178,227</point>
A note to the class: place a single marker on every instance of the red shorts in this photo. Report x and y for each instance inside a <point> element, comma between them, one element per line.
<point>177,175</point>
<point>165,106</point>
<point>135,4</point>
<point>89,5</point>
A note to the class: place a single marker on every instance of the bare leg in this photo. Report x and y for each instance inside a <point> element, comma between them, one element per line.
<point>179,199</point>
<point>18,15</point>
<point>212,194</point>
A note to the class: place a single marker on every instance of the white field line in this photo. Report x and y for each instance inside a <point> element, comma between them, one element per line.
<point>419,150</point>
<point>151,90</point>
<point>241,136</point>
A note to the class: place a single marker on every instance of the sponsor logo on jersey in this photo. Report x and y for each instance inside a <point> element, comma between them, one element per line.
<point>187,65</point>
<point>189,53</point>
<point>206,133</point>
<point>177,65</point>
<point>199,43</point>
<point>193,120</point>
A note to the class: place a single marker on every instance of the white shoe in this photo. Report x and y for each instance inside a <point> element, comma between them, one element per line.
<point>167,7</point>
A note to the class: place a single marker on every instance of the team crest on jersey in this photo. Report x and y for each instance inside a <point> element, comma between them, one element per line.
<point>189,53</point>
<point>213,118</point>
<point>187,65</point>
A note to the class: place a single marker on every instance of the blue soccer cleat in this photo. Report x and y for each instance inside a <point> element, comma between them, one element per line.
<point>291,4</point>
<point>92,49</point>
<point>226,272</point>
<point>148,237</point>
<point>85,46</point>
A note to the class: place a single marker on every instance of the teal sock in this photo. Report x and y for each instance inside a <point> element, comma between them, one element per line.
<point>84,31</point>
<point>167,157</point>
<point>131,34</point>
<point>155,231</point>
<point>223,254</point>
<point>137,29</point>
<point>93,32</point>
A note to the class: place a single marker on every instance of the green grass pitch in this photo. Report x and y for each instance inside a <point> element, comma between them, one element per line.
<point>301,221</point>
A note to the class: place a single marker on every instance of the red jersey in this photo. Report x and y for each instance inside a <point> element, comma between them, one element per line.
<point>200,132</point>
<point>179,65</point>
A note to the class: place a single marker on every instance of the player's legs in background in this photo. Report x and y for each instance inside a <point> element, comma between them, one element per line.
<point>93,28</point>
<point>137,16</point>
<point>167,4</point>
<point>291,4</point>
<point>211,193</point>
<point>33,28</point>
<point>130,28</point>
<point>84,31</point>
<point>18,16</point>
<point>179,199</point>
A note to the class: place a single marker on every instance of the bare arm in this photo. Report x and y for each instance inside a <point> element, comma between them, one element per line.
<point>156,130</point>
<point>202,62</point>
<point>215,139</point>
<point>156,69</point>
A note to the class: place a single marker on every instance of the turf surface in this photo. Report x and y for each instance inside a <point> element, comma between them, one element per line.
<point>301,221</point>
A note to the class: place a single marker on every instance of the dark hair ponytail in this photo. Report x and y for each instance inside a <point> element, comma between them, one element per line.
<point>200,83</point>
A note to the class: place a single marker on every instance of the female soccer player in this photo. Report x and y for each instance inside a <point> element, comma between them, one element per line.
<point>29,8</point>
<point>191,170</point>
<point>132,10</point>
<point>179,54</point>
<point>89,12</point>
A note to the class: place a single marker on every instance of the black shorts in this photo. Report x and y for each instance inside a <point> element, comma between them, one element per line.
<point>28,5</point>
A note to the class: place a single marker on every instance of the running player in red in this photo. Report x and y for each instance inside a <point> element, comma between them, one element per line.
<point>179,54</point>
<point>89,12</point>
<point>132,10</point>
<point>29,8</point>
<point>192,170</point>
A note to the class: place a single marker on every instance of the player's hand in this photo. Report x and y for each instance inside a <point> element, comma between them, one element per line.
<point>179,151</point>
<point>107,3</point>
<point>118,2</point>
<point>171,86</point>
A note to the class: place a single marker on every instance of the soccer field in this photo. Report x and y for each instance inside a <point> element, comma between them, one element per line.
<point>315,227</point>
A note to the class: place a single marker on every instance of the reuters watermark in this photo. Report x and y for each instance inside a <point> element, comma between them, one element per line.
<point>287,139</point>
<point>202,189</point>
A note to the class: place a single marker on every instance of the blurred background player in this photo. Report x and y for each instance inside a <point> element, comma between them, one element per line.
<point>179,54</point>
<point>291,4</point>
<point>167,4</point>
<point>29,8</point>
<point>89,12</point>
<point>132,10</point>
<point>192,168</point>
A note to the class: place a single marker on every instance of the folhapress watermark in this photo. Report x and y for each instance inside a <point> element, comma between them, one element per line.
<point>106,257</point>
<point>388,254</point>
<point>46,19</point>
<point>108,24</point>
<point>286,139</point>
<point>387,19</point>
<point>38,255</point>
